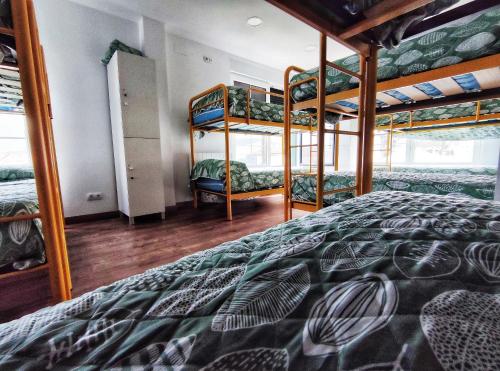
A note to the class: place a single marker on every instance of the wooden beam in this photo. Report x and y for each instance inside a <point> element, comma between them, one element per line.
<point>483,63</point>
<point>321,91</point>
<point>381,13</point>
<point>369,121</point>
<point>454,120</point>
<point>439,102</point>
<point>301,10</point>
<point>38,121</point>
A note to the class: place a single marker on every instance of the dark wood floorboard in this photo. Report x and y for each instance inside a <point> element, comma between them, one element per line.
<point>102,252</point>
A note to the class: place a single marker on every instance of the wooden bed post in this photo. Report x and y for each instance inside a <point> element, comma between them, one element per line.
<point>369,120</point>
<point>37,111</point>
<point>191,143</point>
<point>361,120</point>
<point>229,208</point>
<point>287,202</point>
<point>389,146</point>
<point>321,91</point>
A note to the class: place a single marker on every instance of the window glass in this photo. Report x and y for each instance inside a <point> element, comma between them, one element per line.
<point>14,147</point>
<point>261,97</point>
<point>443,152</point>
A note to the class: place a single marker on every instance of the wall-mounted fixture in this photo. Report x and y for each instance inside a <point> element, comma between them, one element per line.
<point>254,21</point>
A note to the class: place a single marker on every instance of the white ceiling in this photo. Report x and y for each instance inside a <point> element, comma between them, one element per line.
<point>278,42</point>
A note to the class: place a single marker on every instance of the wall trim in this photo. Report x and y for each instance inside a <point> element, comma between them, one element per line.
<point>116,214</point>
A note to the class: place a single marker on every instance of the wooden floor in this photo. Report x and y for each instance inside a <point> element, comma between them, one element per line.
<point>102,252</point>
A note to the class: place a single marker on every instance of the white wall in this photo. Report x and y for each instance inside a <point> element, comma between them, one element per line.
<point>79,93</point>
<point>74,39</point>
<point>189,75</point>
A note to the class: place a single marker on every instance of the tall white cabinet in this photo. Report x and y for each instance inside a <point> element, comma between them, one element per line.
<point>136,135</point>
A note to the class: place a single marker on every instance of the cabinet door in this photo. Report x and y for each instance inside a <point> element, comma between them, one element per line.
<point>138,96</point>
<point>144,176</point>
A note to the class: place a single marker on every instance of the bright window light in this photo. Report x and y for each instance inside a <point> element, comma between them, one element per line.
<point>14,147</point>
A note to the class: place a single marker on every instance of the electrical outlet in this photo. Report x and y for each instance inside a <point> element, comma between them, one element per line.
<point>95,196</point>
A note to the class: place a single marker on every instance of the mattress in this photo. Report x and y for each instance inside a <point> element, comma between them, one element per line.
<point>210,107</point>
<point>461,41</point>
<point>462,185</point>
<point>261,179</point>
<point>446,170</point>
<point>21,242</point>
<point>389,280</point>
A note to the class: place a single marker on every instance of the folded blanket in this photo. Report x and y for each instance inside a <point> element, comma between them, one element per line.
<point>241,179</point>
<point>118,45</point>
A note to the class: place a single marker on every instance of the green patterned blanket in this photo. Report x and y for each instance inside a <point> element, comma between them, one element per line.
<point>237,99</point>
<point>464,185</point>
<point>443,47</point>
<point>386,281</point>
<point>446,170</point>
<point>9,174</point>
<point>241,179</point>
<point>21,242</point>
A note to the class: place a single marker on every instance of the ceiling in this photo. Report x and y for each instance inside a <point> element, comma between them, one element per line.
<point>279,42</point>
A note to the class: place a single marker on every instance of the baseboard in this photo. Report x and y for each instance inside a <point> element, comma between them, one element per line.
<point>91,217</point>
<point>116,214</point>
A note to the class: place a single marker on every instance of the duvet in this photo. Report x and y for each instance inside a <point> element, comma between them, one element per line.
<point>389,280</point>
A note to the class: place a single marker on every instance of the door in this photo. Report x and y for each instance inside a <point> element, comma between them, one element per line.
<point>144,176</point>
<point>139,101</point>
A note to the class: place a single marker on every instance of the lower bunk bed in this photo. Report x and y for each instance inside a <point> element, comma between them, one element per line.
<point>463,185</point>
<point>388,280</point>
<point>21,241</point>
<point>209,176</point>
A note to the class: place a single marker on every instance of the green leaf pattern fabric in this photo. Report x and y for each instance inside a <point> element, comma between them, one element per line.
<point>9,174</point>
<point>241,179</point>
<point>461,41</point>
<point>464,185</point>
<point>237,99</point>
<point>445,112</point>
<point>117,45</point>
<point>334,290</point>
<point>21,242</point>
<point>443,170</point>
<point>454,132</point>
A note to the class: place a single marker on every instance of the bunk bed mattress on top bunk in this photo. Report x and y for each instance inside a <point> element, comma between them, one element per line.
<point>21,242</point>
<point>471,38</point>
<point>462,185</point>
<point>210,107</point>
<point>333,290</point>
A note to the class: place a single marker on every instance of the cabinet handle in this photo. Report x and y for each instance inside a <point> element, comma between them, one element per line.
<point>130,167</point>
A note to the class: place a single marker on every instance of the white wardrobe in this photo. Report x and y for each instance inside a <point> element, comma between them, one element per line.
<point>136,135</point>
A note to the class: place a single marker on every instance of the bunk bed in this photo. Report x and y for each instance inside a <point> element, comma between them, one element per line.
<point>21,245</point>
<point>31,219</point>
<point>333,290</point>
<point>230,109</point>
<point>450,60</point>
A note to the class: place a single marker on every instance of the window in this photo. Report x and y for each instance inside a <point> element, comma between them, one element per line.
<point>275,99</point>
<point>258,150</point>
<point>261,97</point>
<point>309,149</point>
<point>14,148</point>
<point>443,152</point>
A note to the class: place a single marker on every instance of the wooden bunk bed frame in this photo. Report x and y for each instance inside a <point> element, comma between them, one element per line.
<point>230,121</point>
<point>356,38</point>
<point>31,66</point>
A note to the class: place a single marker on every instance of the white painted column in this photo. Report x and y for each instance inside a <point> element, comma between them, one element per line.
<point>152,37</point>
